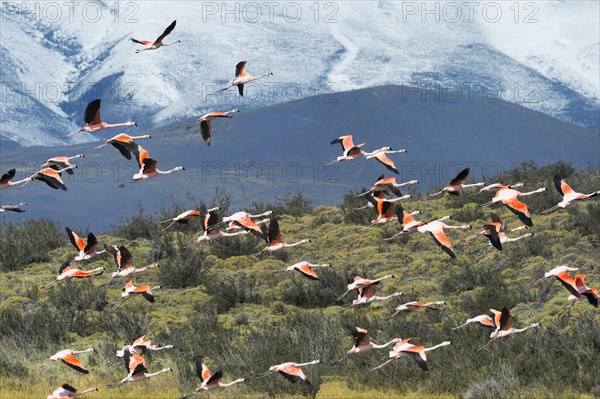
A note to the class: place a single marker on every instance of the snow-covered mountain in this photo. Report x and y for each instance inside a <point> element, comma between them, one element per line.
<point>57,56</point>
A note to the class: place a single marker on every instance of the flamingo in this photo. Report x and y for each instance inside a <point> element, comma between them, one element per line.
<point>141,346</point>
<point>495,232</point>
<point>486,320</point>
<point>357,282</point>
<point>362,343</point>
<point>58,163</point>
<point>158,42</point>
<point>306,269</point>
<point>49,176</point>
<point>136,368</point>
<point>209,380</point>
<point>124,261</point>
<point>93,122</point>
<point>148,167</point>
<point>579,291</point>
<point>242,77</point>
<point>351,151</point>
<point>569,196</point>
<point>404,348</point>
<point>67,391</point>
<point>13,208</point>
<point>125,144</point>
<point>381,156</point>
<point>411,306</point>
<point>504,326</point>
<point>182,218</point>
<point>66,272</point>
<point>366,295</point>
<point>509,197</point>
<point>244,220</point>
<point>272,236</point>
<point>408,223</point>
<point>211,224</point>
<point>67,356</point>
<point>144,290</point>
<point>387,185</point>
<point>5,180</point>
<point>86,251</point>
<point>291,371</point>
<point>385,210</point>
<point>559,269</point>
<point>436,230</point>
<point>205,122</point>
<point>456,185</point>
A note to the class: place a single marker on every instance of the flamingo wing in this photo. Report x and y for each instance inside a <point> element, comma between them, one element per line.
<point>493,236</point>
<point>144,42</point>
<point>562,187</point>
<point>149,165</point>
<point>124,258</point>
<point>387,162</point>
<point>487,321</point>
<point>64,267</point>
<point>75,239</point>
<point>519,209</point>
<point>240,69</point>
<point>460,177</point>
<point>294,374</point>
<point>241,89</point>
<point>361,336</point>
<point>92,241</point>
<point>205,128</point>
<point>443,242</point>
<point>505,319</point>
<point>166,32</point>
<point>417,352</point>
<point>211,221</point>
<point>124,148</point>
<point>215,377</point>
<point>307,272</point>
<point>51,178</point>
<point>274,233</point>
<point>92,112</point>
<point>8,176</point>
<point>74,363</point>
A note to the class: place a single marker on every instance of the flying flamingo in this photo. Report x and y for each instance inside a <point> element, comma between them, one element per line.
<point>58,163</point>
<point>306,269</point>
<point>66,272</point>
<point>495,232</point>
<point>357,282</point>
<point>411,306</point>
<point>362,343</point>
<point>504,326</point>
<point>67,356</point>
<point>381,156</point>
<point>456,185</point>
<point>182,218</point>
<point>387,185</point>
<point>242,77</point>
<point>5,180</point>
<point>158,42</point>
<point>569,196</point>
<point>579,291</point>
<point>486,320</point>
<point>67,391</point>
<point>141,346</point>
<point>209,380</point>
<point>408,223</point>
<point>86,251</point>
<point>125,144</point>
<point>353,152</point>
<point>291,371</point>
<point>436,230</point>
<point>124,261</point>
<point>405,349</point>
<point>385,210</point>
<point>559,269</point>
<point>93,122</point>
<point>49,176</point>
<point>509,197</point>
<point>366,295</point>
<point>136,368</point>
<point>272,236</point>
<point>13,208</point>
<point>148,167</point>
<point>211,228</point>
<point>131,290</point>
<point>244,220</point>
<point>205,122</point>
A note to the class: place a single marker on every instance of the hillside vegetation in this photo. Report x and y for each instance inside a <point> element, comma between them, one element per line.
<point>245,314</point>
